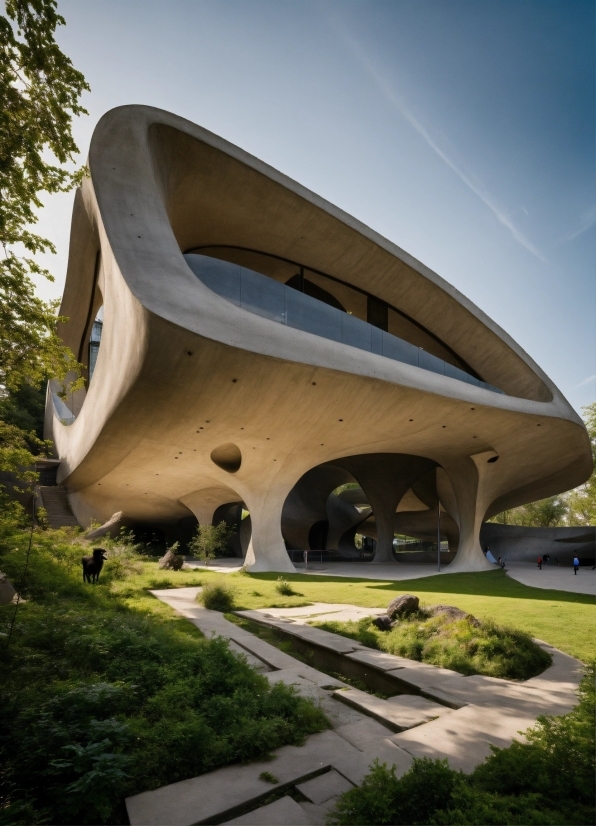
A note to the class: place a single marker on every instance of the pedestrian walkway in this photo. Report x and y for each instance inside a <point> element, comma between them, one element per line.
<point>551,576</point>
<point>437,714</point>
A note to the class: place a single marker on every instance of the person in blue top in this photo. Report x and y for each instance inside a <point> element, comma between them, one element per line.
<point>575,565</point>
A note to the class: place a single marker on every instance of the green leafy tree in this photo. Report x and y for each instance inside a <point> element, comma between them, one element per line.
<point>40,91</point>
<point>210,541</point>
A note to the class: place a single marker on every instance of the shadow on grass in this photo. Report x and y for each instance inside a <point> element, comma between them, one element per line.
<point>486,583</point>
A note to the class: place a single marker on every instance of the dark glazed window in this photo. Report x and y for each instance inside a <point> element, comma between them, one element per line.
<point>94,341</point>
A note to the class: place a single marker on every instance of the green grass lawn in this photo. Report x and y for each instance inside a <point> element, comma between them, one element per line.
<point>563,619</point>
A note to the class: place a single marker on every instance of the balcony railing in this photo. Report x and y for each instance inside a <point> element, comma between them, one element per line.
<point>271,299</point>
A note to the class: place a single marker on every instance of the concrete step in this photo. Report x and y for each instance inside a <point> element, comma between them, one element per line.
<point>54,500</point>
<point>399,715</point>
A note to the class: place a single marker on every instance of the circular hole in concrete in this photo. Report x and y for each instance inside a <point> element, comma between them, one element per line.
<point>227,457</point>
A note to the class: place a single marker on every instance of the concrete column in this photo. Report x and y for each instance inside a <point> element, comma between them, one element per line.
<point>267,549</point>
<point>385,478</point>
<point>470,480</point>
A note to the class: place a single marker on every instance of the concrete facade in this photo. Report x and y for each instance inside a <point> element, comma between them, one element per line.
<point>200,398</point>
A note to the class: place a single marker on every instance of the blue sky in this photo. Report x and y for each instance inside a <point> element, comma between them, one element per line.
<point>462,130</point>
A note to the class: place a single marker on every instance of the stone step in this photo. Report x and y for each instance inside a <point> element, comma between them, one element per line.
<point>200,799</point>
<point>55,502</point>
<point>282,812</point>
<point>398,715</point>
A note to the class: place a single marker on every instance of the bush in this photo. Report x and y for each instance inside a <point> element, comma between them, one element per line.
<point>464,646</point>
<point>100,698</point>
<point>547,780</point>
<point>217,596</point>
<point>283,587</point>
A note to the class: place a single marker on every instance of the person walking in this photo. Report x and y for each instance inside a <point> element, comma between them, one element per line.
<point>540,562</point>
<point>575,565</point>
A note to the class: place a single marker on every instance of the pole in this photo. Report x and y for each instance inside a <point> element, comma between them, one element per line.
<point>439,536</point>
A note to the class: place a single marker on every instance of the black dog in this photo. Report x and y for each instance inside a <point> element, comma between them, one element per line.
<point>92,565</point>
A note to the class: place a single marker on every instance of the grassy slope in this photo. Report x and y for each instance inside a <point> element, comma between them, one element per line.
<point>565,620</point>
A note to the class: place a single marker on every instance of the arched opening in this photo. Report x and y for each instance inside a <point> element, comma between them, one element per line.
<point>237,518</point>
<point>345,508</point>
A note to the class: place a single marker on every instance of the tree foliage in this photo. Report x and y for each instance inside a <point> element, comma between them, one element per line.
<point>40,91</point>
<point>210,541</point>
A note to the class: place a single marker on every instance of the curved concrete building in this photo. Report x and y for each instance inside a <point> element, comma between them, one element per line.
<point>248,342</point>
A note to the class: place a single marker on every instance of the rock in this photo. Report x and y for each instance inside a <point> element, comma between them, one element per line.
<point>383,623</point>
<point>7,592</point>
<point>171,561</point>
<point>453,613</point>
<point>111,527</point>
<point>402,606</point>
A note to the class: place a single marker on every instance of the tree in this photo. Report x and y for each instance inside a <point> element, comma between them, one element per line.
<point>40,91</point>
<point>210,541</point>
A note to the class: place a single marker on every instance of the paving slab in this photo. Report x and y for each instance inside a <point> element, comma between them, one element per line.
<point>378,659</point>
<point>425,709</point>
<point>338,714</point>
<point>397,717</point>
<point>355,765</point>
<point>283,812</point>
<point>253,661</point>
<point>327,785</point>
<point>464,736</point>
<point>318,812</point>
<point>287,675</point>
<point>200,798</point>
<point>363,732</point>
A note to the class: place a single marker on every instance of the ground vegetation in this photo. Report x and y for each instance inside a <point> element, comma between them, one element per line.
<point>105,692</point>
<point>561,618</point>
<point>463,645</point>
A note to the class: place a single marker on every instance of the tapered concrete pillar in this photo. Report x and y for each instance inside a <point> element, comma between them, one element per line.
<point>384,478</point>
<point>267,549</point>
<point>467,497</point>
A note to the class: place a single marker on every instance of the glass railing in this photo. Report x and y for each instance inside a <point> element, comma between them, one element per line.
<point>273,300</point>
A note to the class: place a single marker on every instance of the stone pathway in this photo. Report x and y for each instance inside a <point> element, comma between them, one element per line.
<point>441,714</point>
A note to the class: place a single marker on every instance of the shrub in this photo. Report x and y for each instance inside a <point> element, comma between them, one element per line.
<point>283,587</point>
<point>462,645</point>
<point>100,698</point>
<point>217,596</point>
<point>547,780</point>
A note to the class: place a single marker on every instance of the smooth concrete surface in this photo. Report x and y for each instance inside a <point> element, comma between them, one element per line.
<point>397,716</point>
<point>321,788</point>
<point>551,576</point>
<point>184,376</point>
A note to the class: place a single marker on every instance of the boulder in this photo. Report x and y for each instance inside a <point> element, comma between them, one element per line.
<point>383,623</point>
<point>111,527</point>
<point>453,613</point>
<point>402,606</point>
<point>171,561</point>
<point>7,592</point>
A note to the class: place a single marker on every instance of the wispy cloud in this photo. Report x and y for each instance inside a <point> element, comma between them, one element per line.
<point>400,105</point>
<point>586,222</point>
<point>583,383</point>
